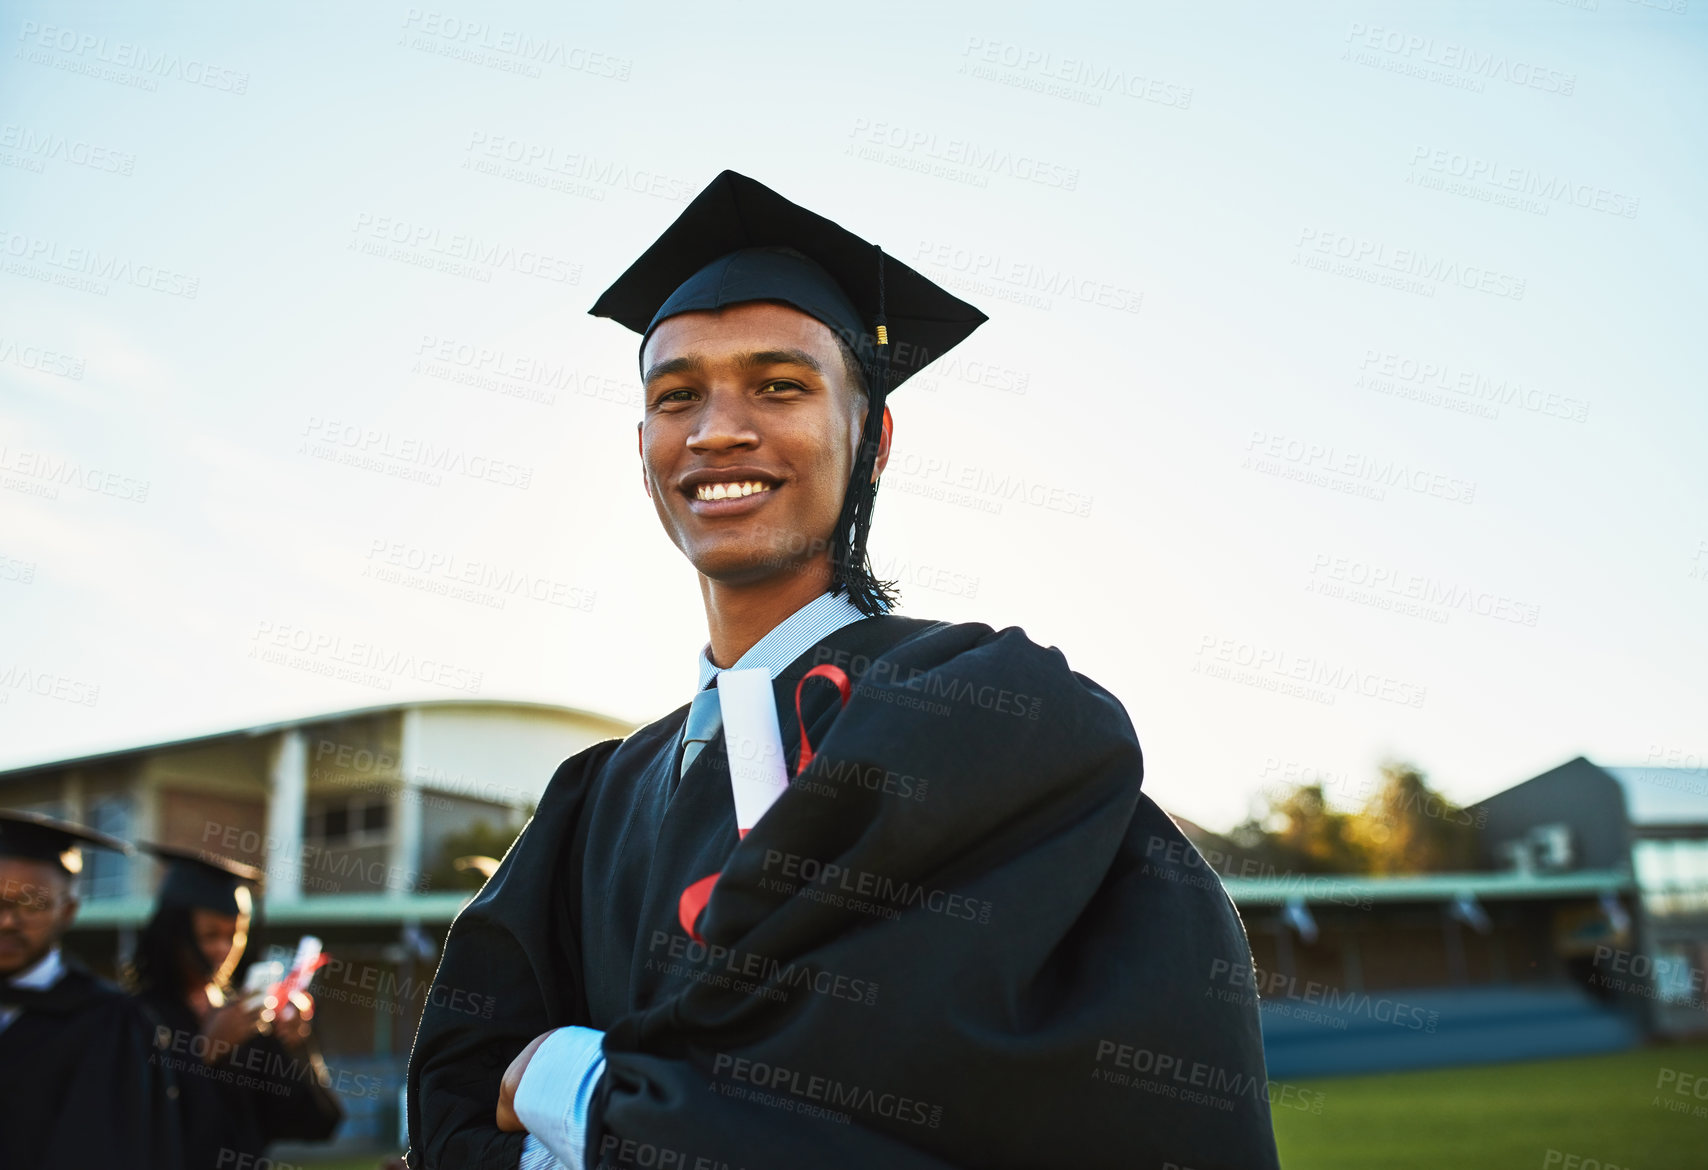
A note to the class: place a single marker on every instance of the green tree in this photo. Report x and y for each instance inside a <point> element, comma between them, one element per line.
<point>479,839</point>
<point>1295,830</point>
<point>1408,827</point>
<point>1405,826</point>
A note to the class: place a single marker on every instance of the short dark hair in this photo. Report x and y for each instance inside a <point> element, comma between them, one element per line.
<point>850,565</point>
<point>851,368</point>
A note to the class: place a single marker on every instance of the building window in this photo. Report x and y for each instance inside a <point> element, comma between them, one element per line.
<point>1692,863</point>
<point>338,824</point>
<point>107,874</point>
<point>1673,875</point>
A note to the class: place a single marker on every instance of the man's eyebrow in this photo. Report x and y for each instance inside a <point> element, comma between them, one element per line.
<point>681,365</point>
<point>781,357</point>
<point>689,364</point>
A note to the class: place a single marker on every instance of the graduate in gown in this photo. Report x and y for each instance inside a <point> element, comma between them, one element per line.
<point>79,1086</point>
<point>963,936</point>
<point>248,1073</point>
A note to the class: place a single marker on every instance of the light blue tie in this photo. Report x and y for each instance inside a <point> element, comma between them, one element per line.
<point>704,719</point>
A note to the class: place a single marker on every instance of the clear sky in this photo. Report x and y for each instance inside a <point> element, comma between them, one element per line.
<point>1343,394</point>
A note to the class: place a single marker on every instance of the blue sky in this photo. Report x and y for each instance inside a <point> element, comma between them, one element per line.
<point>1342,395</point>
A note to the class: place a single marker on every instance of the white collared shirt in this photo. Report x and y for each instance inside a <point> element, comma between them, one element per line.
<point>43,975</point>
<point>790,638</point>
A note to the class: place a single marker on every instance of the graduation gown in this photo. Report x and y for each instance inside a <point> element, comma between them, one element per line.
<point>235,1108</point>
<point>79,1086</point>
<point>963,937</point>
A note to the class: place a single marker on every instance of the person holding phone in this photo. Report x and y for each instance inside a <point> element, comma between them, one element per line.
<point>249,1072</point>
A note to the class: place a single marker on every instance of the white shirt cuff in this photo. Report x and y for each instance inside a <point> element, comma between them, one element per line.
<point>535,1156</point>
<point>556,1094</point>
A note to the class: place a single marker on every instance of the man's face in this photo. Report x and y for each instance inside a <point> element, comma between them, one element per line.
<point>36,908</point>
<point>749,438</point>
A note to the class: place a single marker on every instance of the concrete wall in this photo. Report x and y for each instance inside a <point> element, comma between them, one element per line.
<point>502,755</point>
<point>209,795</point>
<point>356,754</point>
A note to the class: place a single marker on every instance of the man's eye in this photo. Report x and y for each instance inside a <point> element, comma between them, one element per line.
<point>676,396</point>
<point>780,385</point>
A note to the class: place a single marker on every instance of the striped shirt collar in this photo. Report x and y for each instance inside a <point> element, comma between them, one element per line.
<point>790,638</point>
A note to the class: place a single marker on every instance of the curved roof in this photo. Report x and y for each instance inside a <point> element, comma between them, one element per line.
<point>619,728</point>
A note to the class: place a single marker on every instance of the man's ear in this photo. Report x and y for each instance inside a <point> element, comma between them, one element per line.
<point>66,915</point>
<point>883,447</point>
<point>640,449</point>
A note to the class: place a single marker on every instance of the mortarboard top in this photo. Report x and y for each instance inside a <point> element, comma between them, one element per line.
<point>31,836</point>
<point>202,880</point>
<point>724,249</point>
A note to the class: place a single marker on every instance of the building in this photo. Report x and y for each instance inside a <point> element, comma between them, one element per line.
<point>1649,822</point>
<point>354,816</point>
<point>1359,974</point>
<point>1583,929</point>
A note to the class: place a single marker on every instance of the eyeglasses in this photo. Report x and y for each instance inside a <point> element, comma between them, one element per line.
<point>28,904</point>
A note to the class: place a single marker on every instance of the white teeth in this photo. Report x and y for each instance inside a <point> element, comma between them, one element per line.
<point>727,491</point>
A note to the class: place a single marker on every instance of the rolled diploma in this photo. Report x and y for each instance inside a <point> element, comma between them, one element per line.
<point>754,741</point>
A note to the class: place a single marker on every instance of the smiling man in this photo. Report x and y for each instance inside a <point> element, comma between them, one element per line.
<point>747,453</point>
<point>961,937</point>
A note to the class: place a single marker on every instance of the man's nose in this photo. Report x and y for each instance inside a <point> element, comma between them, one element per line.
<point>725,422</point>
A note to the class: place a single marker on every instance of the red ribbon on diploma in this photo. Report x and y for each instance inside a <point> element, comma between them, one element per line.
<point>693,901</point>
<point>296,980</point>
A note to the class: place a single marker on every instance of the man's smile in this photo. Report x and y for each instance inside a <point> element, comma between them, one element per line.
<point>723,491</point>
<point>726,491</point>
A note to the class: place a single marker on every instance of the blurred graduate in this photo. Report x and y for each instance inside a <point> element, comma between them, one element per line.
<point>79,1084</point>
<point>248,1070</point>
<point>963,936</point>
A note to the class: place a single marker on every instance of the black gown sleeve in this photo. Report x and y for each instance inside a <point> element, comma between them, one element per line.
<point>118,1107</point>
<point>515,950</point>
<point>1043,942</point>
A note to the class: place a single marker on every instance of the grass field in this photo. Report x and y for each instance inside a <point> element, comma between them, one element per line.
<point>1551,1115</point>
<point>1606,1109</point>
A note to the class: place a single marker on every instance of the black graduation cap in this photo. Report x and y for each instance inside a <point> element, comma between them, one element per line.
<point>740,241</point>
<point>31,836</point>
<point>728,247</point>
<point>202,880</point>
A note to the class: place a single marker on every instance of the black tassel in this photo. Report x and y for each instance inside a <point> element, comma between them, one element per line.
<point>851,566</point>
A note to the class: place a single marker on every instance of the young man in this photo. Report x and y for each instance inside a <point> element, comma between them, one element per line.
<point>961,937</point>
<point>78,1084</point>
